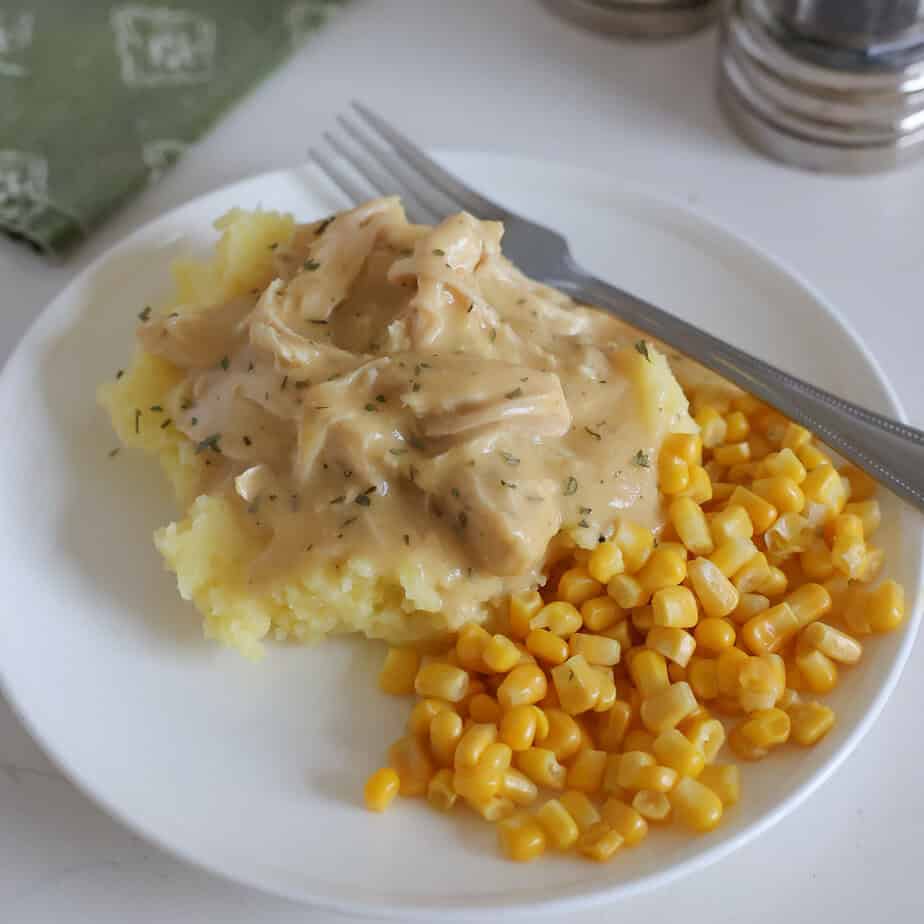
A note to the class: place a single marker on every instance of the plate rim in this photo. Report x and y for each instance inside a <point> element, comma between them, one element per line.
<point>568,899</point>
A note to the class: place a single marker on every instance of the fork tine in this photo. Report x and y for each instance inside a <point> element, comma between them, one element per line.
<point>383,180</point>
<point>338,178</point>
<point>445,182</point>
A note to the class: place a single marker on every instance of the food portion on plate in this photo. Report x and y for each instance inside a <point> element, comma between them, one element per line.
<point>591,576</point>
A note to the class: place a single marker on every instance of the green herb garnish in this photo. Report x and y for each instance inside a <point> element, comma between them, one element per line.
<point>570,486</point>
<point>641,346</point>
<point>145,314</point>
<point>516,393</point>
<point>641,459</point>
<point>210,442</point>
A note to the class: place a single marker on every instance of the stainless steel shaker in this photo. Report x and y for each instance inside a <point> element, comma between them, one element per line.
<point>826,84</point>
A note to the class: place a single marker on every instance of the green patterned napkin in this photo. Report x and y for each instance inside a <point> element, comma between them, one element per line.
<point>99,98</point>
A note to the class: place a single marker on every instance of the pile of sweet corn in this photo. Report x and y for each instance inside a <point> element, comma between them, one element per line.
<point>594,710</point>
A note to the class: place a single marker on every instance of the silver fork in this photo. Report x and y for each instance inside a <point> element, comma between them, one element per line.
<point>383,162</point>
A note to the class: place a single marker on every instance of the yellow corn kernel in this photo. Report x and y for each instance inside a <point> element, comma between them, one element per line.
<point>869,512</point>
<point>484,708</point>
<point>518,727</point>
<point>691,526</point>
<point>811,456</point>
<point>518,787</point>
<point>596,649</point>
<point>542,722</point>
<point>837,645</point>
<point>737,427</point>
<point>546,646</point>
<point>612,726</point>
<point>674,644</point>
<point>673,474</point>
<point>699,490</point>
<point>495,809</point>
<point>605,562</point>
<point>810,722</point>
<point>707,735</point>
<point>885,607</point>
<point>674,750</point>
<point>761,447</point>
<point>731,523</point>
<point>410,760</point>
<point>790,697</point>
<point>686,446</point>
<point>743,472</point>
<point>611,775</point>
<point>749,605</point>
<point>496,756</point>
<point>773,583</point>
<point>712,427</point>
<point>795,436</point>
<point>445,732</point>
<point>638,739</point>
<point>580,808</point>
<point>724,780</point>
<point>606,696</point>
<point>627,591</point>
<point>695,805</point>
<point>732,453</point>
<point>472,745</point>
<point>714,634</point>
<point>601,613</point>
<point>674,608</point>
<point>766,728</point>
<point>786,464</point>
<point>586,771</point>
<point>438,680</point>
<point>648,671</point>
<point>728,667</point>
<point>862,486</point>
<point>703,677</point>
<point>399,671</point>
<point>622,632</point>
<point>470,646</point>
<point>560,828</point>
<point>780,491</point>
<point>561,618</point>
<point>636,543</point>
<point>762,680</point>
<point>381,789</point>
<point>824,485</point>
<point>522,838</point>
<point>600,842</point>
<point>657,778</point>
<point>625,820</point>
<point>631,764</point>
<point>576,586</point>
<point>577,685</point>
<point>500,654</point>
<point>762,513</point>
<point>666,567</point>
<point>525,684</point>
<point>653,806</point>
<point>541,766</point>
<point>743,747</point>
<point>809,602</point>
<point>422,715</point>
<point>564,735</point>
<point>770,630</point>
<point>753,575</point>
<point>722,490</point>
<point>521,609</point>
<point>716,593</point>
<point>815,559</point>
<point>665,709</point>
<point>441,794</point>
<point>818,671</point>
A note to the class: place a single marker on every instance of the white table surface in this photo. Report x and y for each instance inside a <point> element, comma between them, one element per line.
<point>510,77</point>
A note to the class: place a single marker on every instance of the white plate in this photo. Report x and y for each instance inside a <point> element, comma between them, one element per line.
<point>256,771</point>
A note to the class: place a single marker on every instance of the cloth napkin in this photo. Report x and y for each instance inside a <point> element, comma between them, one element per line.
<point>100,98</point>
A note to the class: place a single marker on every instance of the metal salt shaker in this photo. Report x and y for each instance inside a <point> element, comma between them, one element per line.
<point>826,84</point>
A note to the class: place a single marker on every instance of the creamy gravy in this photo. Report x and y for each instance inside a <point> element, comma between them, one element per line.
<point>402,393</point>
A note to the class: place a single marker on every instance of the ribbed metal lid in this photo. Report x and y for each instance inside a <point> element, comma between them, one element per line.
<point>639,18</point>
<point>818,105</point>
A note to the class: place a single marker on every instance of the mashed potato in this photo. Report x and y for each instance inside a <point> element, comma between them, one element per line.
<point>378,427</point>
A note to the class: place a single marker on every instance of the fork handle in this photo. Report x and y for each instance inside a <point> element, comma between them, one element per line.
<point>890,451</point>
